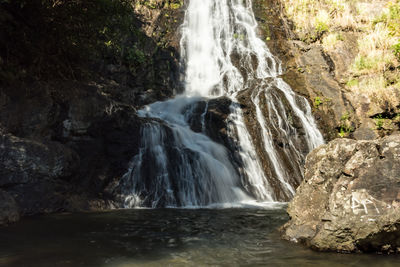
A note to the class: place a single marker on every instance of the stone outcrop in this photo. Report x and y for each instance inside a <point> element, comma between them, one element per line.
<point>23,161</point>
<point>350,198</point>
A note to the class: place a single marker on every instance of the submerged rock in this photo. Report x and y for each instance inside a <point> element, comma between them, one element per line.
<point>350,198</point>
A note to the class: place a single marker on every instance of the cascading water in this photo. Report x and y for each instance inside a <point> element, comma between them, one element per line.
<point>178,164</point>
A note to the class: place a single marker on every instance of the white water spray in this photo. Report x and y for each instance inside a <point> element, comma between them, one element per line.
<point>222,56</point>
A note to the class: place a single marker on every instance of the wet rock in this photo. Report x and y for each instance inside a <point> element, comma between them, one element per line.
<point>9,211</point>
<point>36,174</point>
<point>76,150</point>
<point>80,116</point>
<point>210,117</point>
<point>349,200</point>
<point>24,161</point>
<point>285,130</point>
<point>49,196</point>
<point>216,119</point>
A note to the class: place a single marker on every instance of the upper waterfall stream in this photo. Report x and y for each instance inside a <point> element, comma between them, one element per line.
<point>184,159</point>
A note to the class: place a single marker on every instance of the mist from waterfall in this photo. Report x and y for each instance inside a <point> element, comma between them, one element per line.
<point>178,164</point>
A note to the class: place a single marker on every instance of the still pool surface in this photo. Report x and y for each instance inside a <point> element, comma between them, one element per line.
<point>165,237</point>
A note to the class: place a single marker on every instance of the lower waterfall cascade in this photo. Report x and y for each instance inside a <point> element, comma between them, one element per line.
<point>269,128</point>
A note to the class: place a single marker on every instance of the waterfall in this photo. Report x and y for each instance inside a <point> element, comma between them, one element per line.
<point>269,129</point>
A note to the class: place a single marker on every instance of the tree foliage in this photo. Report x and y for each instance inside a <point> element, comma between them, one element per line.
<point>61,38</point>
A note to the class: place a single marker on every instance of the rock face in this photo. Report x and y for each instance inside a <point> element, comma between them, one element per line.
<point>8,209</point>
<point>65,140</point>
<point>64,147</point>
<point>322,76</point>
<point>309,70</point>
<point>350,198</point>
<point>289,140</point>
<point>23,160</point>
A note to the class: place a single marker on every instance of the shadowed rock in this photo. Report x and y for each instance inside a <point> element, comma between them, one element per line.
<point>8,208</point>
<point>65,141</point>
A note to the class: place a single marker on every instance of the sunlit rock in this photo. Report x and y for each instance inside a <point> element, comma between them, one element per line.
<point>350,198</point>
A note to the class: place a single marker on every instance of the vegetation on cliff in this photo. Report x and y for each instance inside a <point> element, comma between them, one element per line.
<point>44,39</point>
<point>73,40</point>
<point>374,72</point>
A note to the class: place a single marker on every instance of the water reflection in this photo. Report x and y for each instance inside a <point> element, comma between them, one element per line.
<point>166,237</point>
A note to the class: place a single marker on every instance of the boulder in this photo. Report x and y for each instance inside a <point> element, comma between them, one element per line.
<point>24,160</point>
<point>349,200</point>
<point>34,175</point>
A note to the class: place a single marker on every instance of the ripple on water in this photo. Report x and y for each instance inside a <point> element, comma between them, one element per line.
<point>165,237</point>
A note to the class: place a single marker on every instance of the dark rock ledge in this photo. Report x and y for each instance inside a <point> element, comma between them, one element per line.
<point>350,198</point>
<point>9,211</point>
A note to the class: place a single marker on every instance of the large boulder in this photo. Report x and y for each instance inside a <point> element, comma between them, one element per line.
<point>350,198</point>
<point>24,160</point>
<point>34,176</point>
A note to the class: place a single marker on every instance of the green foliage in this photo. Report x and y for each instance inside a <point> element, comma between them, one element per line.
<point>317,102</point>
<point>396,50</point>
<point>379,121</point>
<point>352,82</point>
<point>321,27</point>
<point>135,57</point>
<point>345,117</point>
<point>381,19</point>
<point>149,4</point>
<point>345,127</point>
<point>59,39</point>
<point>342,132</point>
<point>173,4</point>
<point>391,19</point>
<point>364,63</point>
<point>394,21</point>
<point>176,5</point>
<point>345,130</point>
<point>238,36</point>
